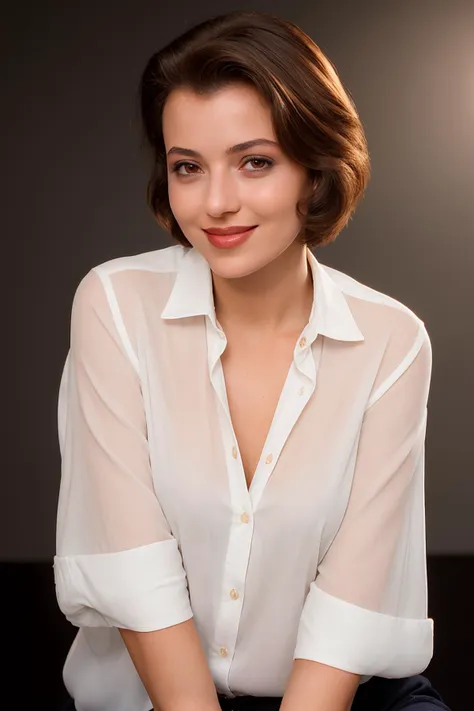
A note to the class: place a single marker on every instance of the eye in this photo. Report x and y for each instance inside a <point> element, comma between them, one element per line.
<point>176,167</point>
<point>267,163</point>
<point>255,159</point>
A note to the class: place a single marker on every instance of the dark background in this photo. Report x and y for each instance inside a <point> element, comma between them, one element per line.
<point>74,196</point>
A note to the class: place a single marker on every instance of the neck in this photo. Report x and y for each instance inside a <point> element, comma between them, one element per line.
<point>274,300</point>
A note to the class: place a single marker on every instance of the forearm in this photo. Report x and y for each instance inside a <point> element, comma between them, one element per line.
<point>317,687</point>
<point>173,668</point>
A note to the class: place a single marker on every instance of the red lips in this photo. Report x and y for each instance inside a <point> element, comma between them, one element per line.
<point>228,241</point>
<point>228,230</point>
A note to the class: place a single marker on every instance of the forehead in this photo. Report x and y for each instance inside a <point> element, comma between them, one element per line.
<point>228,116</point>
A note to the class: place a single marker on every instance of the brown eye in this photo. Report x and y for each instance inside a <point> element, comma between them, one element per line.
<point>262,165</point>
<point>177,166</point>
<point>267,163</point>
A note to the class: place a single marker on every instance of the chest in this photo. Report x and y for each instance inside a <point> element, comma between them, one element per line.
<point>254,378</point>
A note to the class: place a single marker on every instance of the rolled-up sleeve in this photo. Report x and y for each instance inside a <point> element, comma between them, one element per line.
<point>117,563</point>
<point>366,610</point>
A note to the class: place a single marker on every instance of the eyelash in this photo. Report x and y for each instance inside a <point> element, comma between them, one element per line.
<point>178,165</point>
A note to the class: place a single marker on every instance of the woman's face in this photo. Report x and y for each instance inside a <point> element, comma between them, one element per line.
<point>215,188</point>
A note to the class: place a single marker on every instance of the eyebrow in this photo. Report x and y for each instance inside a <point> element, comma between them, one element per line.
<point>230,151</point>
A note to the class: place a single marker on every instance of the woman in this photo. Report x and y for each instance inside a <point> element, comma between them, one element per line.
<point>241,514</point>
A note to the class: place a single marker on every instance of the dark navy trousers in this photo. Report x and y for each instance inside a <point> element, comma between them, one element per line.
<point>414,693</point>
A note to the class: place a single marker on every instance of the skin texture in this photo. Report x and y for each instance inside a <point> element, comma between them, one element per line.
<point>263,284</point>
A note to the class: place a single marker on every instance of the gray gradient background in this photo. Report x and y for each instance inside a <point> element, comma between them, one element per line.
<point>74,183</point>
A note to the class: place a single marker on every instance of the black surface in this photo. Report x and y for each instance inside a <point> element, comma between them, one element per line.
<point>38,636</point>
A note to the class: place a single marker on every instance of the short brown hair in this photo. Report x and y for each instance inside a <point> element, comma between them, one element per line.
<point>314,118</point>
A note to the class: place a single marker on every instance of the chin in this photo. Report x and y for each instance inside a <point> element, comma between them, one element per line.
<point>228,263</point>
<point>231,268</point>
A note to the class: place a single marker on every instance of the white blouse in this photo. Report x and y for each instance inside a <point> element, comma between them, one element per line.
<point>323,558</point>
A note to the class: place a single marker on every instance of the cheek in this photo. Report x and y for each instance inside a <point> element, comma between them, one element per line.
<point>275,198</point>
<point>275,204</point>
<point>183,203</point>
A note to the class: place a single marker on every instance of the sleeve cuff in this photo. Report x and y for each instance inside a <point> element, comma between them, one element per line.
<point>142,589</point>
<point>348,637</point>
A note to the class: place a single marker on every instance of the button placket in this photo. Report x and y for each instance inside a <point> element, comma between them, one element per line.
<point>239,541</point>
<point>236,564</point>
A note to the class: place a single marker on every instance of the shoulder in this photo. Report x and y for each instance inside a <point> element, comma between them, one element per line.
<point>395,337</point>
<point>120,293</point>
<point>128,275</point>
<point>159,261</point>
<point>379,315</point>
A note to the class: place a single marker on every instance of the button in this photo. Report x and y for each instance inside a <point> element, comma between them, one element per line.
<point>234,452</point>
<point>301,391</point>
<point>234,594</point>
<point>245,517</point>
<point>302,342</point>
<point>223,652</point>
<point>269,459</point>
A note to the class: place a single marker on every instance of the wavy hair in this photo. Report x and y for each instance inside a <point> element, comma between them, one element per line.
<point>313,115</point>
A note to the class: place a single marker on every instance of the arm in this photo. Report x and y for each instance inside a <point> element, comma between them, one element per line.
<point>173,668</point>
<point>366,611</point>
<point>317,687</point>
<point>117,563</point>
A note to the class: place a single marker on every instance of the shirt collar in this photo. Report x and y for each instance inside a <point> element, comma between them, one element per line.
<point>192,295</point>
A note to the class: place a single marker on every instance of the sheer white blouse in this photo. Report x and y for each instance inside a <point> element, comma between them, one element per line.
<point>323,558</point>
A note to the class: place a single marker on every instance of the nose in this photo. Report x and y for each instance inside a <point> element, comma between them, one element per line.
<point>222,195</point>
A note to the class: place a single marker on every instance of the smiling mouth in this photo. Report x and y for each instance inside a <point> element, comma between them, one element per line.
<point>230,231</point>
<point>229,240</point>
